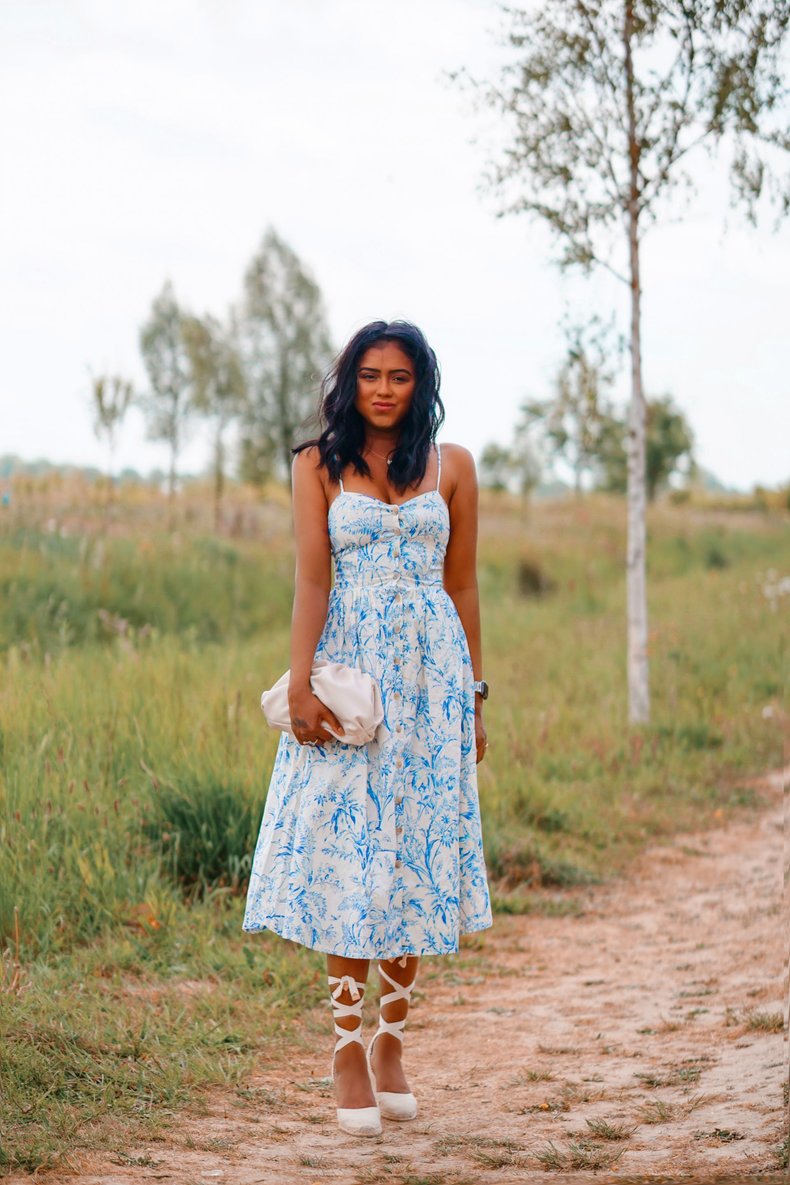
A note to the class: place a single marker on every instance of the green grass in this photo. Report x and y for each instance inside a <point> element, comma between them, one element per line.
<point>105,1043</point>
<point>57,593</point>
<point>101,749</point>
<point>134,762</point>
<point>570,790</point>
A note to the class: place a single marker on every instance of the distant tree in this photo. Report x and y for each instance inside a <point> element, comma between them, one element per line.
<point>111,397</point>
<point>218,387</point>
<point>669,444</point>
<point>167,406</point>
<point>611,461</point>
<point>572,418</point>
<point>528,459</point>
<point>495,467</point>
<point>285,347</point>
<point>606,101</point>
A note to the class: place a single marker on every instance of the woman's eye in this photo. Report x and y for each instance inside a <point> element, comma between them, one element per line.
<point>372,378</point>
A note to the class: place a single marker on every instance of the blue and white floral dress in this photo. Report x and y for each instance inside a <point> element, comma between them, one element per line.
<point>375,851</point>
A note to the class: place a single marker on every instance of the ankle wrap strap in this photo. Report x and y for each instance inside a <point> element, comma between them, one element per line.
<point>402,991</point>
<point>347,983</point>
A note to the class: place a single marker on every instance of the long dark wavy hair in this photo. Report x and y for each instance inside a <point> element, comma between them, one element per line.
<point>343,429</point>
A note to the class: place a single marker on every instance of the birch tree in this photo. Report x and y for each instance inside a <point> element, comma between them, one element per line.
<point>606,103</point>
<point>111,396</point>
<point>167,405</point>
<point>218,388</point>
<point>285,347</point>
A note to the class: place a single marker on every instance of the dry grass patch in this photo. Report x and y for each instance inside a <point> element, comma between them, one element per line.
<point>602,1129</point>
<point>578,1154</point>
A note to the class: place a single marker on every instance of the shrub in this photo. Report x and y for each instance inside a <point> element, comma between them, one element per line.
<point>206,833</point>
<point>532,580</point>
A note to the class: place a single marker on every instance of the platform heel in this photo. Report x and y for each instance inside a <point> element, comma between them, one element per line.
<point>357,1121</point>
<point>393,1104</point>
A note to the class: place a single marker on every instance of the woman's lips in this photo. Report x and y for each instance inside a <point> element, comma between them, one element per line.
<point>383,406</point>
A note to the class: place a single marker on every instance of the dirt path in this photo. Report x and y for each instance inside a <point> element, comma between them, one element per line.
<point>652,1013</point>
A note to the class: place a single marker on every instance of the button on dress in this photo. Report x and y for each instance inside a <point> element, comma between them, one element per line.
<point>375,851</point>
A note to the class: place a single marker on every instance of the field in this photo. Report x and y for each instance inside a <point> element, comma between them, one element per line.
<point>135,760</point>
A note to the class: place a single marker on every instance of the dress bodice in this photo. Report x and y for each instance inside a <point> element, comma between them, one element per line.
<point>381,543</point>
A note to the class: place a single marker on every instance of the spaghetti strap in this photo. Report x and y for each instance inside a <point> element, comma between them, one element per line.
<point>342,487</point>
<point>439,472</point>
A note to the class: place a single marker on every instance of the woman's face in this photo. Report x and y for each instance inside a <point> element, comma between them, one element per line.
<point>385,385</point>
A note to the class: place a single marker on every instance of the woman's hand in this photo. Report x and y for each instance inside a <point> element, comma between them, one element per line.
<point>481,741</point>
<point>308,715</point>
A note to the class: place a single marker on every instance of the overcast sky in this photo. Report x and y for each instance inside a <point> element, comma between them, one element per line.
<point>148,140</point>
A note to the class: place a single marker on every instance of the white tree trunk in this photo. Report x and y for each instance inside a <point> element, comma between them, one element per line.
<point>637,661</point>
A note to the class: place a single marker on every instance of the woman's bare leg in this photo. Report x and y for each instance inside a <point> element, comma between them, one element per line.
<point>386,1056</point>
<point>352,1081</point>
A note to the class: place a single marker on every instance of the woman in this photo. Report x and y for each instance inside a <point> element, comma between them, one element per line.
<point>375,851</point>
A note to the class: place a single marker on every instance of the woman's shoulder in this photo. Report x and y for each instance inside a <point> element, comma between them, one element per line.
<point>308,457</point>
<point>308,461</point>
<point>308,470</point>
<point>454,450</point>
<point>459,459</point>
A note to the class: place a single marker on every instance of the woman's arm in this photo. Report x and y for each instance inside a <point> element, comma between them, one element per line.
<point>460,567</point>
<point>311,596</point>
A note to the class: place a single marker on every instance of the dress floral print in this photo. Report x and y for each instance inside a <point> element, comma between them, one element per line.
<point>375,851</point>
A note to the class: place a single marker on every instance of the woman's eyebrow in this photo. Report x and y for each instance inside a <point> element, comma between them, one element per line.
<point>396,370</point>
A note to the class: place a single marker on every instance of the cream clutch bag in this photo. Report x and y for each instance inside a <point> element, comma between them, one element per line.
<point>353,696</point>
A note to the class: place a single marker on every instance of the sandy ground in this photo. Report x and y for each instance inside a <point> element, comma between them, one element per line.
<point>649,1009</point>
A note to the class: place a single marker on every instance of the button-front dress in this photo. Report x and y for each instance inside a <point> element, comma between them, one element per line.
<point>376,851</point>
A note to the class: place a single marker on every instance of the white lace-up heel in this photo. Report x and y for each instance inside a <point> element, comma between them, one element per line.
<point>393,1104</point>
<point>357,1121</point>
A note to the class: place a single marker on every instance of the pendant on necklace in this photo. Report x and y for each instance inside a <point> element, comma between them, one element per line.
<point>381,457</point>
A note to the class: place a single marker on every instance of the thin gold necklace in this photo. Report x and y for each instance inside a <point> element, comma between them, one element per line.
<point>380,456</point>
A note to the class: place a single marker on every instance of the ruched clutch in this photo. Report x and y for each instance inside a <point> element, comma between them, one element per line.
<point>353,696</point>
